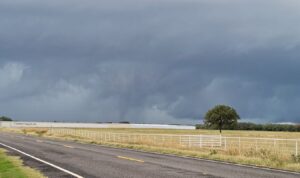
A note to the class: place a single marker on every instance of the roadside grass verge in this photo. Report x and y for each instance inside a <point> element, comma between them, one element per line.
<point>12,167</point>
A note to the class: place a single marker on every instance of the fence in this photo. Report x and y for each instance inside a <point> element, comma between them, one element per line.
<point>218,142</point>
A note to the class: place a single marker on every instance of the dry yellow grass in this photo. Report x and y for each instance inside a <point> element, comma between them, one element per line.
<point>234,133</point>
<point>237,133</point>
<point>37,131</point>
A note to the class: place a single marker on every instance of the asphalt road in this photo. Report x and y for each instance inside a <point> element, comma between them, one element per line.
<point>91,161</point>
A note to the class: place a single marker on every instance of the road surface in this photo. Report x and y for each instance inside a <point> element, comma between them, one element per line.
<point>91,161</point>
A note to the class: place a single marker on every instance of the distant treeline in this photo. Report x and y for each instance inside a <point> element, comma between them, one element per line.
<point>4,118</point>
<point>259,127</point>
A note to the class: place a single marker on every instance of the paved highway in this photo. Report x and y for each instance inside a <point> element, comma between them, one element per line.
<point>91,161</point>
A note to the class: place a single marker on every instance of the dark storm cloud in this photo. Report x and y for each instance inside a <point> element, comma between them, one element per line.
<point>149,61</point>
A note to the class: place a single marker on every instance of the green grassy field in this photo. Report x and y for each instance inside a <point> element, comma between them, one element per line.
<point>11,167</point>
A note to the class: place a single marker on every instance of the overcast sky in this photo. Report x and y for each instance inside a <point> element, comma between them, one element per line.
<point>149,61</point>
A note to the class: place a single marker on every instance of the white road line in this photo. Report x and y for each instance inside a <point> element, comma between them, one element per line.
<point>40,160</point>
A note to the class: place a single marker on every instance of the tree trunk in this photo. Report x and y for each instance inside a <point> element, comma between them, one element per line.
<point>220,126</point>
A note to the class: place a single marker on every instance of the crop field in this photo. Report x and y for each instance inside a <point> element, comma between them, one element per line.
<point>262,148</point>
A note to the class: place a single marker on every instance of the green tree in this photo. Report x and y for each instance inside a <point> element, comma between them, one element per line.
<point>221,116</point>
<point>4,118</point>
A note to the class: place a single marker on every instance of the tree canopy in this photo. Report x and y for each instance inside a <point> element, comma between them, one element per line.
<point>4,118</point>
<point>220,116</point>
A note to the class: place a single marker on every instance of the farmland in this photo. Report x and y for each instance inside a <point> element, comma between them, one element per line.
<point>242,133</point>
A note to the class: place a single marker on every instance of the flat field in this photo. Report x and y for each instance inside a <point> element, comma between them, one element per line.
<point>228,133</point>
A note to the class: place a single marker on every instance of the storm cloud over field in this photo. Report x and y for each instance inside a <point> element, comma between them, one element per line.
<point>149,61</point>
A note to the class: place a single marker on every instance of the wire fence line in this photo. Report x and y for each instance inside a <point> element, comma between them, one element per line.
<point>217,142</point>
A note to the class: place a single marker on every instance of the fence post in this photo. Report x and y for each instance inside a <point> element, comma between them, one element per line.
<point>180,142</point>
<point>256,145</point>
<point>225,143</point>
<point>239,145</point>
<point>190,144</point>
<point>296,153</point>
<point>200,141</point>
